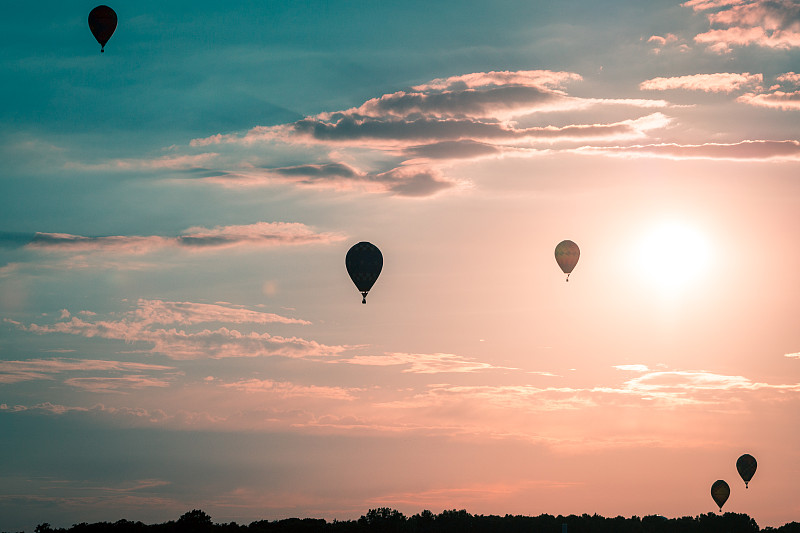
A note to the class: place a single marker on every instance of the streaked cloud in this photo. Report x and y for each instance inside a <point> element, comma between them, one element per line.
<point>788,150</point>
<point>789,101</point>
<point>765,23</point>
<point>284,389</point>
<point>420,363</point>
<point>160,312</point>
<point>795,355</point>
<point>632,368</point>
<point>408,180</point>
<point>720,82</point>
<point>260,234</point>
<point>32,369</point>
<point>138,326</point>
<point>408,136</point>
<point>115,384</point>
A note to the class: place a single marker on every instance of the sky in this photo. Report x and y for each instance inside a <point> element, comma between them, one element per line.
<point>178,330</point>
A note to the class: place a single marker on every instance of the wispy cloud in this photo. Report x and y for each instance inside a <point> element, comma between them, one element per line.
<point>420,363</point>
<point>632,368</point>
<point>116,384</point>
<point>150,312</point>
<point>33,369</point>
<point>785,94</point>
<point>766,23</point>
<point>138,325</point>
<point>721,82</point>
<point>284,389</point>
<point>261,234</point>
<point>788,150</point>
<point>795,355</point>
<point>404,139</point>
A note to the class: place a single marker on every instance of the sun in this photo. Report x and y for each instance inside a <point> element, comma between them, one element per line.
<point>672,254</point>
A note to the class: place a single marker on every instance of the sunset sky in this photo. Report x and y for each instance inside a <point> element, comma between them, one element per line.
<point>178,330</point>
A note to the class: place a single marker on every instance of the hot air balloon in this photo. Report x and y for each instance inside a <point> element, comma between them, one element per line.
<point>720,492</point>
<point>746,465</point>
<point>567,254</point>
<point>102,23</point>
<point>364,263</point>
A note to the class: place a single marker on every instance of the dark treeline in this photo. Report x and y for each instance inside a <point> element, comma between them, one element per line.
<point>385,520</point>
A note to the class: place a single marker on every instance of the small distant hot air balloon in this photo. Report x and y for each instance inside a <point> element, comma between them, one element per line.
<point>720,492</point>
<point>102,23</point>
<point>567,254</point>
<point>364,263</point>
<point>746,465</point>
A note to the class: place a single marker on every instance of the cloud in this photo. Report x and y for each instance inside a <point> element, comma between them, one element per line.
<point>397,133</point>
<point>776,100</point>
<point>721,82</point>
<point>795,355</point>
<point>632,368</point>
<point>138,326</point>
<point>284,390</point>
<point>49,369</point>
<point>788,150</point>
<point>260,234</point>
<point>167,162</point>
<point>114,384</point>
<point>408,136</point>
<point>160,312</point>
<point>784,95</point>
<point>410,180</point>
<point>766,23</point>
<point>419,363</point>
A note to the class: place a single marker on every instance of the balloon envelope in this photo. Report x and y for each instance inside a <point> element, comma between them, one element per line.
<point>364,263</point>
<point>746,465</point>
<point>720,492</point>
<point>102,23</point>
<point>567,255</point>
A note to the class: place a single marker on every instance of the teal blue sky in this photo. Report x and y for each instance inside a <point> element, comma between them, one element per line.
<point>178,331</point>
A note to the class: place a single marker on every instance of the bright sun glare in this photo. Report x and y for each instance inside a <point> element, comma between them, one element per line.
<point>672,254</point>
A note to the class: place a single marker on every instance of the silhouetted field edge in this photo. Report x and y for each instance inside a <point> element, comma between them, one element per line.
<point>386,520</point>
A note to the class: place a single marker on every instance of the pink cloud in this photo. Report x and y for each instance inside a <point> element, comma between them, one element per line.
<point>116,384</point>
<point>260,234</point>
<point>410,180</point>
<point>168,162</point>
<point>789,77</point>
<point>136,326</point>
<point>788,150</point>
<point>284,390</point>
<point>409,132</point>
<point>720,82</point>
<point>789,101</point>
<point>766,23</point>
<point>418,363</point>
<point>161,312</point>
<point>35,369</point>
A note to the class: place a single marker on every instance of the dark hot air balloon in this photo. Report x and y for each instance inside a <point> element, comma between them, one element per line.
<point>720,492</point>
<point>746,465</point>
<point>364,263</point>
<point>567,254</point>
<point>102,23</point>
